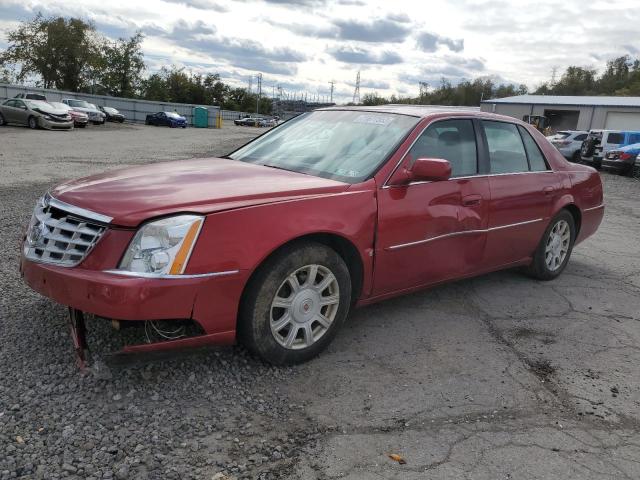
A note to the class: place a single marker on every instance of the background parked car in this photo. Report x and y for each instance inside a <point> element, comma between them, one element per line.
<point>31,96</point>
<point>112,114</point>
<point>600,142</point>
<point>268,122</point>
<point>621,160</point>
<point>80,119</point>
<point>170,119</point>
<point>95,116</point>
<point>34,114</point>
<point>569,143</point>
<point>247,121</point>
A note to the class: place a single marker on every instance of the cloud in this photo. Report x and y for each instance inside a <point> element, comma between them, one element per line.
<point>243,53</point>
<point>375,84</point>
<point>383,30</point>
<point>429,42</point>
<point>392,29</point>
<point>201,5</point>
<point>358,55</point>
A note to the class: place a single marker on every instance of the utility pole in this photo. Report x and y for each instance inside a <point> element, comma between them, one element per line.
<point>332,83</point>
<point>356,91</point>
<point>258,91</point>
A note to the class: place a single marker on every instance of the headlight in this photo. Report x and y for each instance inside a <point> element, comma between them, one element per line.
<point>163,247</point>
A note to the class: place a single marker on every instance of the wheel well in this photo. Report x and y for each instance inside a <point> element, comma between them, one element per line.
<point>575,213</point>
<point>343,247</point>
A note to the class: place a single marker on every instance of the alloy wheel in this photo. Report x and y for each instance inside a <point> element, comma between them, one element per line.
<point>557,245</point>
<point>304,307</point>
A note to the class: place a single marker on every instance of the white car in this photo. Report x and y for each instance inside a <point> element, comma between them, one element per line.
<point>569,143</point>
<point>95,115</point>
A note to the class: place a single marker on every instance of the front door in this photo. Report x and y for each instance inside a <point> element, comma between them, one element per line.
<point>432,231</point>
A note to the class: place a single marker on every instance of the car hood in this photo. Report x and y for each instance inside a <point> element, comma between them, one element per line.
<point>133,195</point>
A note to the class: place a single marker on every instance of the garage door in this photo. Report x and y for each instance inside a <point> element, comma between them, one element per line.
<point>622,121</point>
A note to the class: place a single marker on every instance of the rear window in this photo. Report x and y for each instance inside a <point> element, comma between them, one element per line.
<point>616,138</point>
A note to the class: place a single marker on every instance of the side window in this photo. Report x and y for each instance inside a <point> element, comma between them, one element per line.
<point>19,104</point>
<point>634,138</point>
<point>536,159</point>
<point>506,151</point>
<point>453,140</point>
<point>581,138</point>
<point>616,138</point>
<point>10,103</point>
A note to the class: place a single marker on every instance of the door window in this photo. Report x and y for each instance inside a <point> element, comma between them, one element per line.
<point>452,140</point>
<point>581,138</point>
<point>616,138</point>
<point>634,138</point>
<point>506,151</point>
<point>537,162</point>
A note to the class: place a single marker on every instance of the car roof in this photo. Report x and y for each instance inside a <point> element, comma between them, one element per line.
<point>423,111</point>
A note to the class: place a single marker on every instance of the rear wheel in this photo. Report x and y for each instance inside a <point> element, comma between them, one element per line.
<point>2,121</point>
<point>295,304</point>
<point>32,122</point>
<point>554,250</point>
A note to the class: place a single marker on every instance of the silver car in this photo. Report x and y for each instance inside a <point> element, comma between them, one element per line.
<point>95,116</point>
<point>34,114</point>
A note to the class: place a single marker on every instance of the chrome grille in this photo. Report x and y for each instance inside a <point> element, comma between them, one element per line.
<point>57,236</point>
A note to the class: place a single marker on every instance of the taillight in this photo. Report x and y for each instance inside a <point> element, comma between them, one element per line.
<point>625,156</point>
<point>564,143</point>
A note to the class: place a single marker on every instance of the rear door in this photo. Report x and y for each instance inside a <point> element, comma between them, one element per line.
<point>433,231</point>
<point>522,191</point>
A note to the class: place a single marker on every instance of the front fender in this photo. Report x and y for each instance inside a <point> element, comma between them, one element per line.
<point>243,238</point>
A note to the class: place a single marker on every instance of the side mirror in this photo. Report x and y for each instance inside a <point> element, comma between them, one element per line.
<point>434,169</point>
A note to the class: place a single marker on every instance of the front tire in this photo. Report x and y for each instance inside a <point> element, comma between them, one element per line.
<point>554,250</point>
<point>32,123</point>
<point>3,122</point>
<point>295,304</point>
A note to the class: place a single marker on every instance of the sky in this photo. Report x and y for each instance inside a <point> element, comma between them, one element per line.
<point>303,45</point>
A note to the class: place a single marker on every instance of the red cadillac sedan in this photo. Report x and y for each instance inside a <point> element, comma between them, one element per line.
<point>273,244</point>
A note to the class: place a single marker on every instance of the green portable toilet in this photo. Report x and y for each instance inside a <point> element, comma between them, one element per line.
<point>200,117</point>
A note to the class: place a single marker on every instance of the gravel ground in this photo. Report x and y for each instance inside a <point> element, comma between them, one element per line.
<point>494,377</point>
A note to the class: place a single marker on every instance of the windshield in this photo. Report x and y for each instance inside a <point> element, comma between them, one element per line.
<point>36,104</point>
<point>342,145</point>
<point>79,103</point>
<point>173,115</point>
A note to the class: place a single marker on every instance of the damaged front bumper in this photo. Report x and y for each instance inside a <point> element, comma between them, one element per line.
<point>209,300</point>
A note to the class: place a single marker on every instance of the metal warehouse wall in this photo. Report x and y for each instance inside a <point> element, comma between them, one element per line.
<point>589,117</point>
<point>134,110</point>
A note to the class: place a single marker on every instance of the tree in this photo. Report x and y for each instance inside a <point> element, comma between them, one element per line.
<point>121,66</point>
<point>59,52</point>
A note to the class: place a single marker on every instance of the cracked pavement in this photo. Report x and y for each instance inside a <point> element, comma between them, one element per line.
<point>496,377</point>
